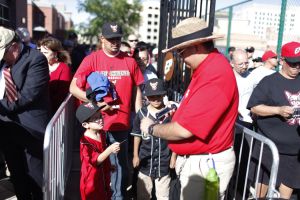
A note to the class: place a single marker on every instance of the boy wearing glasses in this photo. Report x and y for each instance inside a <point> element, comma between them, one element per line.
<point>95,165</point>
<point>125,76</point>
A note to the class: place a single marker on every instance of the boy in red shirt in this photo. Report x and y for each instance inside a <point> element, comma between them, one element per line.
<point>95,167</point>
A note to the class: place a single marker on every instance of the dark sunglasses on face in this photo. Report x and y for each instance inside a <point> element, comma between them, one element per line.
<point>133,40</point>
<point>293,65</point>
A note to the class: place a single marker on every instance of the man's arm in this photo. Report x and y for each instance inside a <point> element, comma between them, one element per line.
<point>168,131</point>
<point>263,110</point>
<point>35,83</point>
<point>138,99</point>
<point>76,91</point>
<point>136,145</point>
<point>81,95</point>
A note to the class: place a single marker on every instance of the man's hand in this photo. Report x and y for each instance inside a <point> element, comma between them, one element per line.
<point>286,111</point>
<point>104,106</point>
<point>135,161</point>
<point>145,123</point>
<point>172,162</point>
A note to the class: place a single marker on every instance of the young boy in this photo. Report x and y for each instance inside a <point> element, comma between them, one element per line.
<point>152,155</point>
<point>95,167</point>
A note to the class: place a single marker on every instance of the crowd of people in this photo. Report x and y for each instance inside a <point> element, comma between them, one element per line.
<point>120,96</point>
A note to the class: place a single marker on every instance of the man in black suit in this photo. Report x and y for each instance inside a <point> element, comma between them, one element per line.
<point>24,116</point>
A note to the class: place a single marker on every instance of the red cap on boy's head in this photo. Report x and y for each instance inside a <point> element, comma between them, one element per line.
<point>291,52</point>
<point>267,55</point>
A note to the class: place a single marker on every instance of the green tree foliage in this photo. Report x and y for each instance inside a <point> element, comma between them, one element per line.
<point>120,11</point>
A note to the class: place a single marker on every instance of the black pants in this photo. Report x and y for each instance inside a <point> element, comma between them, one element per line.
<point>24,157</point>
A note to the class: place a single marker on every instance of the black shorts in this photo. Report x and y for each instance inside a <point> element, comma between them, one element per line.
<point>288,170</point>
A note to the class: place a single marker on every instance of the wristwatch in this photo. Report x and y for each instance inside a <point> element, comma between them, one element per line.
<point>150,129</point>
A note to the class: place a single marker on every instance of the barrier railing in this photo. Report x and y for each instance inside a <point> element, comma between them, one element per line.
<point>58,154</point>
<point>250,137</point>
<point>58,150</point>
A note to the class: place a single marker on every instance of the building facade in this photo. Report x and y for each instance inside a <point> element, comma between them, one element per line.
<point>149,27</point>
<point>13,13</point>
<point>257,25</point>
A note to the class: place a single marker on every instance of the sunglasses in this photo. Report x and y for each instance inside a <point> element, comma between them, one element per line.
<point>293,65</point>
<point>133,40</point>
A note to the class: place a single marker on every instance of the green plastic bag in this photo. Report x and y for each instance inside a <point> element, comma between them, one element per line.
<point>211,183</point>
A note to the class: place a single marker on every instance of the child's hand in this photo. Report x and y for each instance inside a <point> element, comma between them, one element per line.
<point>172,163</point>
<point>115,147</point>
<point>135,161</point>
<point>173,160</point>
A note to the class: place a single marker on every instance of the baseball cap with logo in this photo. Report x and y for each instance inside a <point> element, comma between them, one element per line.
<point>111,30</point>
<point>154,87</point>
<point>6,36</point>
<point>291,52</point>
<point>23,34</point>
<point>86,111</point>
<point>267,55</point>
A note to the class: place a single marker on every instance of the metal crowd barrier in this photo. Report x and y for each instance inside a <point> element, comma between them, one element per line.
<point>58,150</point>
<point>248,137</point>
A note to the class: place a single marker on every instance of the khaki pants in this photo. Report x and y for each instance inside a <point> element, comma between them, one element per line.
<point>145,185</point>
<point>195,169</point>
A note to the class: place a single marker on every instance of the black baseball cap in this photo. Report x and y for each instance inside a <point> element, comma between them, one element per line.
<point>154,87</point>
<point>111,30</point>
<point>86,111</point>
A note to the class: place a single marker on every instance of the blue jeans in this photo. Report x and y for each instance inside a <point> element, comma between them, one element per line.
<point>119,176</point>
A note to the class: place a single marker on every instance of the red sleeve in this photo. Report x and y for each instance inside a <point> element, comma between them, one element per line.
<point>205,106</point>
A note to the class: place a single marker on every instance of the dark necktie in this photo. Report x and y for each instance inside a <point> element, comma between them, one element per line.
<point>10,88</point>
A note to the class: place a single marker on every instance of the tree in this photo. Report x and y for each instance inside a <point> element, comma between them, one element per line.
<point>119,11</point>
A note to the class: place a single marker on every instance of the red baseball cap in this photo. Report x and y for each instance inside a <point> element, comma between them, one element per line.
<point>267,55</point>
<point>291,52</point>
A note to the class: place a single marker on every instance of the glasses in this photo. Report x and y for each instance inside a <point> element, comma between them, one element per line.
<point>133,40</point>
<point>293,65</point>
<point>7,47</point>
<point>180,51</point>
<point>98,120</point>
<point>243,64</point>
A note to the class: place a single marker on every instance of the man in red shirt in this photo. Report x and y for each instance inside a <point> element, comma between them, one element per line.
<point>125,76</point>
<point>203,126</point>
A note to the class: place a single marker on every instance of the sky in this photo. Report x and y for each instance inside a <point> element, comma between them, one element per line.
<point>78,17</point>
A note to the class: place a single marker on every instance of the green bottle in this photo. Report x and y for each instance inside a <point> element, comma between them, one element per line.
<point>212,185</point>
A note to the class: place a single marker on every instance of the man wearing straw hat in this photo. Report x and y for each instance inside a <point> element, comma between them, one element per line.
<point>203,126</point>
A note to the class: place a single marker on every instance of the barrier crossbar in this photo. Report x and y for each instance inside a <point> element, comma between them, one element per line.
<point>250,137</point>
<point>58,150</point>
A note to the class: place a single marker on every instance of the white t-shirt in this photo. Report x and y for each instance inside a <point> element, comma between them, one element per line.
<point>244,113</point>
<point>256,75</point>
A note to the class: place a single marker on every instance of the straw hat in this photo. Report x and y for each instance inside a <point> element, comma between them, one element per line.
<point>189,26</point>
